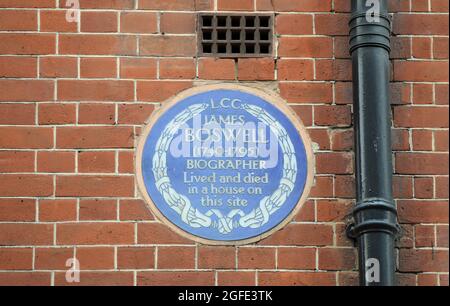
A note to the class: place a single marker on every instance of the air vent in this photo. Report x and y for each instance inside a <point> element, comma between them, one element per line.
<point>236,35</point>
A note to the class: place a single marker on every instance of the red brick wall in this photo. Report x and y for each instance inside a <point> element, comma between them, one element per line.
<point>74,98</point>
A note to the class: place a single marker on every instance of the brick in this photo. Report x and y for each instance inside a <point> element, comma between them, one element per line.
<point>421,117</point>
<point>290,24</point>
<point>25,279</point>
<point>235,5</point>
<point>18,67</point>
<point>342,140</point>
<point>178,23</point>
<point>138,22</point>
<point>96,113</point>
<point>94,137</point>
<point>252,69</point>
<point>58,67</point>
<point>26,138</point>
<point>216,257</point>
<point>423,24</point>
<point>138,68</point>
<point>125,162</point>
<point>97,162</point>
<point>294,6</point>
<point>441,140</point>
<point>302,234</point>
<point>98,209</point>
<point>158,278</point>
<point>107,44</point>
<point>297,258</point>
<point>421,163</point>
<point>28,4</point>
<point>12,234</point>
<point>331,24</point>
<point>56,161</point>
<point>167,46</point>
<point>57,210</point>
<point>177,69</point>
<point>176,258</point>
<point>94,186</point>
<point>306,213</point>
<point>296,279</point>
<point>136,258</point>
<point>56,21</point>
<point>337,259</point>
<point>442,187</point>
<point>97,67</point>
<point>16,259</point>
<point>421,47</point>
<point>400,140</point>
<point>423,187</point>
<point>427,280</point>
<point>236,278</point>
<point>95,258</point>
<point>333,210</point>
<point>26,185</point>
<point>339,115</point>
<point>441,94</point>
<point>27,43</point>
<point>134,113</point>
<point>321,137</point>
<point>219,69</point>
<point>331,70</point>
<point>423,94</point>
<point>116,278</point>
<point>344,186</point>
<point>94,233</point>
<point>439,6</point>
<point>295,69</point>
<point>95,90</point>
<point>305,47</point>
<point>26,90</point>
<point>334,163</point>
<point>134,210</point>
<point>52,113</point>
<point>16,209</point>
<point>422,140</point>
<point>105,4</point>
<point>307,92</point>
<point>304,112</point>
<point>52,258</point>
<point>421,71</point>
<point>17,114</point>
<point>256,258</point>
<point>157,233</point>
<point>424,236</point>
<point>442,236</point>
<point>323,187</point>
<point>413,260</point>
<point>440,47</point>
<point>402,187</point>
<point>99,22</point>
<point>419,211</point>
<point>169,5</point>
<point>158,91</point>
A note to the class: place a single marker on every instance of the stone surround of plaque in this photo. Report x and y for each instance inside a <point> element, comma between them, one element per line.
<point>225,164</point>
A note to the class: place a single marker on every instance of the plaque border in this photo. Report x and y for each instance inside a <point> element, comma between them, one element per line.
<point>271,98</point>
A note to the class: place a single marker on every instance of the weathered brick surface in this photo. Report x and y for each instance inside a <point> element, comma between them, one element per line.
<point>75,97</point>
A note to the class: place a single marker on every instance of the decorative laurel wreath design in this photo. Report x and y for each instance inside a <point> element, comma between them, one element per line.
<point>224,224</point>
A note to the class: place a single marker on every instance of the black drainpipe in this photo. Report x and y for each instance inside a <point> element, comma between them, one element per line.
<point>375,216</point>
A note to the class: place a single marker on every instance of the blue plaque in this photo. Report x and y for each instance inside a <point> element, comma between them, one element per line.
<point>224,164</point>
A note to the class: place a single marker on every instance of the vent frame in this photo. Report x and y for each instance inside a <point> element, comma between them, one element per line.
<point>235,35</point>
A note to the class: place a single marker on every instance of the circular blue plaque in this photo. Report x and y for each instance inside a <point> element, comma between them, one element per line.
<point>224,164</point>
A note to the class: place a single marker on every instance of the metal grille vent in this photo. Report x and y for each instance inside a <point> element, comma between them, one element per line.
<point>235,35</point>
